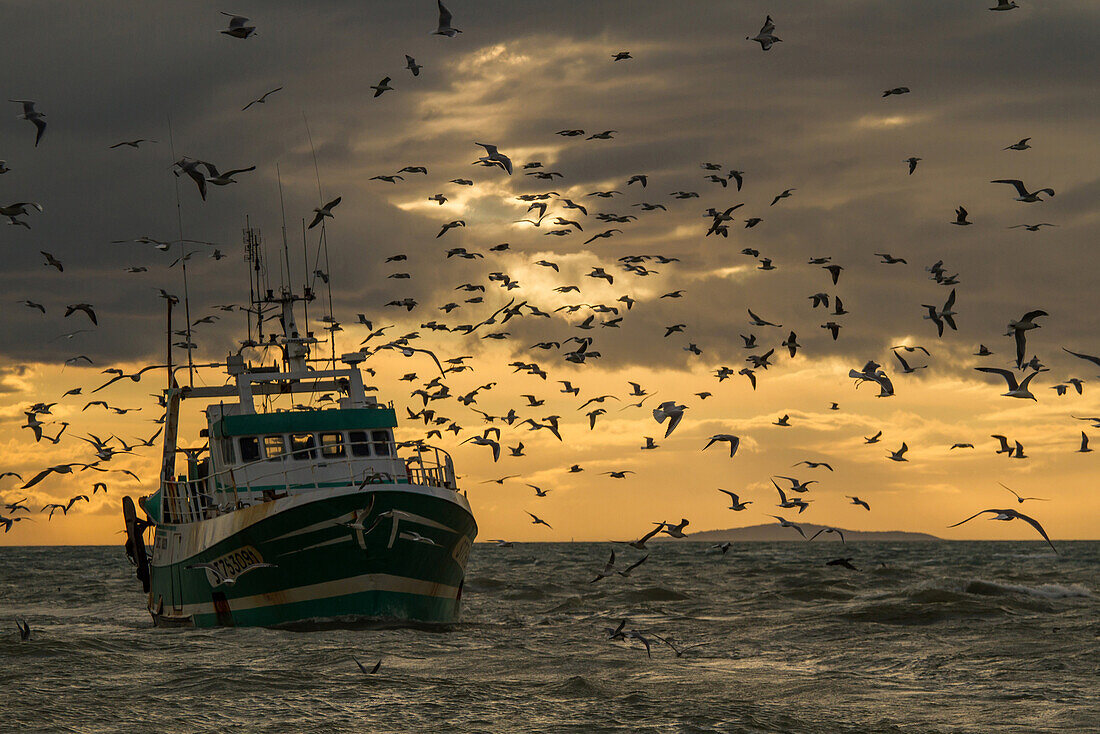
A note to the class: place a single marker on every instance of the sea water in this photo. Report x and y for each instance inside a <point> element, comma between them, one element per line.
<point>925,637</point>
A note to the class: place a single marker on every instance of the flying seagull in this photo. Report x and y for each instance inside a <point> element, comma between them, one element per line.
<point>735,502</point>
<point>1019,328</point>
<point>734,441</point>
<point>238,26</point>
<point>493,157</point>
<point>672,411</point>
<point>1008,515</point>
<point>221,578</point>
<point>1024,195</point>
<point>382,86</point>
<point>538,521</point>
<point>766,37</point>
<point>369,671</point>
<point>325,211</point>
<point>445,28</point>
<point>32,115</point>
<point>1020,499</point>
<point>1015,389</point>
<point>788,524</point>
<point>261,99</point>
<point>131,143</point>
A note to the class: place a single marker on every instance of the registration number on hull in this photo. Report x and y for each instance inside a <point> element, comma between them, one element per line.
<point>232,563</point>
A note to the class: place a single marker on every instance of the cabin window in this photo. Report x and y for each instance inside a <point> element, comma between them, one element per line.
<point>332,445</point>
<point>227,451</point>
<point>360,443</point>
<point>273,447</point>
<point>302,446</point>
<point>381,443</point>
<point>250,448</point>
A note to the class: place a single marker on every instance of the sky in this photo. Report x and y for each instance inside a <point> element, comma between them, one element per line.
<point>807,115</point>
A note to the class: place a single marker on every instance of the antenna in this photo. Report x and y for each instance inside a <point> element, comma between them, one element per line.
<point>282,211</point>
<point>323,241</point>
<point>254,255</point>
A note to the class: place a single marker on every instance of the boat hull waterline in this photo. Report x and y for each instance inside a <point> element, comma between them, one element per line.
<point>380,553</point>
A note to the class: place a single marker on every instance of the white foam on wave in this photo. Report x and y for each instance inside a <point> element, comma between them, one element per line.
<point>1048,591</point>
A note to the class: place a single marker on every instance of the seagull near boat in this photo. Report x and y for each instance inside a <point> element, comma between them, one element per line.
<point>325,211</point>
<point>228,580</point>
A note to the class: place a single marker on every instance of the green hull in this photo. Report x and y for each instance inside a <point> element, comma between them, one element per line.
<point>385,571</point>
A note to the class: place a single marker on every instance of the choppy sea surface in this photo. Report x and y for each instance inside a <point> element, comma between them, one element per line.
<point>924,637</point>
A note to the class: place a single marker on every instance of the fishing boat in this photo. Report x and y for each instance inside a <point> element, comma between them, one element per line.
<point>301,514</point>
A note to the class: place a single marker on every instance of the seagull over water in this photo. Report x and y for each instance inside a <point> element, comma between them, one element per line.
<point>788,524</point>
<point>735,502</point>
<point>238,26</point>
<point>538,521</point>
<point>1007,515</point>
<point>1020,499</point>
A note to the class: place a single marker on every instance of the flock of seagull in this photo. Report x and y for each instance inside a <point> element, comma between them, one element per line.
<point>563,217</point>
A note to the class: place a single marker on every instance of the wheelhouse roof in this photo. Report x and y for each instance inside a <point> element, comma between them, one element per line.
<point>305,421</point>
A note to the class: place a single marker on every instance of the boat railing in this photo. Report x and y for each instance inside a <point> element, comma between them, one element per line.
<point>190,500</point>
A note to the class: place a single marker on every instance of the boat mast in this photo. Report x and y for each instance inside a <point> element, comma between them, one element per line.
<point>183,262</point>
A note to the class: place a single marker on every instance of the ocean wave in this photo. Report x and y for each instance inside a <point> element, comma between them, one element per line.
<point>484,583</point>
<point>1047,591</point>
<point>577,686</point>
<point>655,593</point>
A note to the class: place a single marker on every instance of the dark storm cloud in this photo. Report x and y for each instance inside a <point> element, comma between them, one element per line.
<point>808,115</point>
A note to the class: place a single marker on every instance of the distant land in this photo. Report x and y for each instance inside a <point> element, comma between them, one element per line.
<point>773,532</point>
